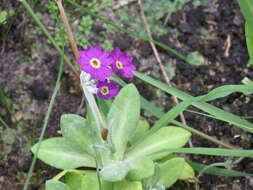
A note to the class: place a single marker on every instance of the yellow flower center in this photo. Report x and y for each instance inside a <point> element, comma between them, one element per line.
<point>104,90</point>
<point>119,65</point>
<point>94,62</point>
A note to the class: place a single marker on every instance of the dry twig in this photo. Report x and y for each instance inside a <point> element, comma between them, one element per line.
<point>227,46</point>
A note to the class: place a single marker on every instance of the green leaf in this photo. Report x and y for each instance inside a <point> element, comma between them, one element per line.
<point>84,180</point>
<point>165,137</point>
<point>90,182</point>
<point>123,117</point>
<point>140,131</point>
<point>170,171</point>
<point>218,171</point>
<point>158,187</point>
<point>75,130</point>
<point>74,180</point>
<point>195,58</point>
<point>115,171</point>
<point>56,185</point>
<point>249,41</point>
<point>127,185</point>
<point>58,153</point>
<point>152,181</point>
<point>140,168</point>
<point>187,173</point>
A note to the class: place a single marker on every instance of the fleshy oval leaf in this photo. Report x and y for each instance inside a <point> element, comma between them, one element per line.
<point>114,172</point>
<point>187,173</point>
<point>75,130</point>
<point>123,118</point>
<point>140,131</point>
<point>140,168</point>
<point>127,185</point>
<point>56,185</point>
<point>155,145</point>
<point>170,171</point>
<point>57,152</point>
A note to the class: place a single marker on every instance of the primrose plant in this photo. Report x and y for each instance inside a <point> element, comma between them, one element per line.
<point>112,148</point>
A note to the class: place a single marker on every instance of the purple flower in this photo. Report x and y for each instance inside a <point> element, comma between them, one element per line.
<point>122,63</point>
<point>107,90</point>
<point>96,62</point>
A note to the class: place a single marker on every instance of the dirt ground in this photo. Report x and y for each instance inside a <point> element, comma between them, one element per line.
<point>29,65</point>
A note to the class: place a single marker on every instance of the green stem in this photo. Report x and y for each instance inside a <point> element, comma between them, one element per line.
<point>50,107</point>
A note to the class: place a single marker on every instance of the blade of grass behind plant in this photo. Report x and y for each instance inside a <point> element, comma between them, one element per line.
<point>88,11</point>
<point>218,171</point>
<point>247,10</point>
<point>219,113</point>
<point>49,110</point>
<point>213,94</point>
<point>210,152</point>
<point>213,117</point>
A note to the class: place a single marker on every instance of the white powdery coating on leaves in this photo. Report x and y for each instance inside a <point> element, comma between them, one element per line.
<point>90,83</point>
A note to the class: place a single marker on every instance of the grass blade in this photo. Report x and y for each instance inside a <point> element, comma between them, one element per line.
<point>218,113</point>
<point>211,152</point>
<point>247,10</point>
<point>49,110</point>
<point>218,171</point>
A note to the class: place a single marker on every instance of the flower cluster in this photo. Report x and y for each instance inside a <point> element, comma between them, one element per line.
<point>97,64</point>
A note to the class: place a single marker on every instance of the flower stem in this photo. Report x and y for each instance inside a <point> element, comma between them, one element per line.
<point>88,95</point>
<point>90,98</point>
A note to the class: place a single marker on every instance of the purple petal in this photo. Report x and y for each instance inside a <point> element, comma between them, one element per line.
<point>95,51</point>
